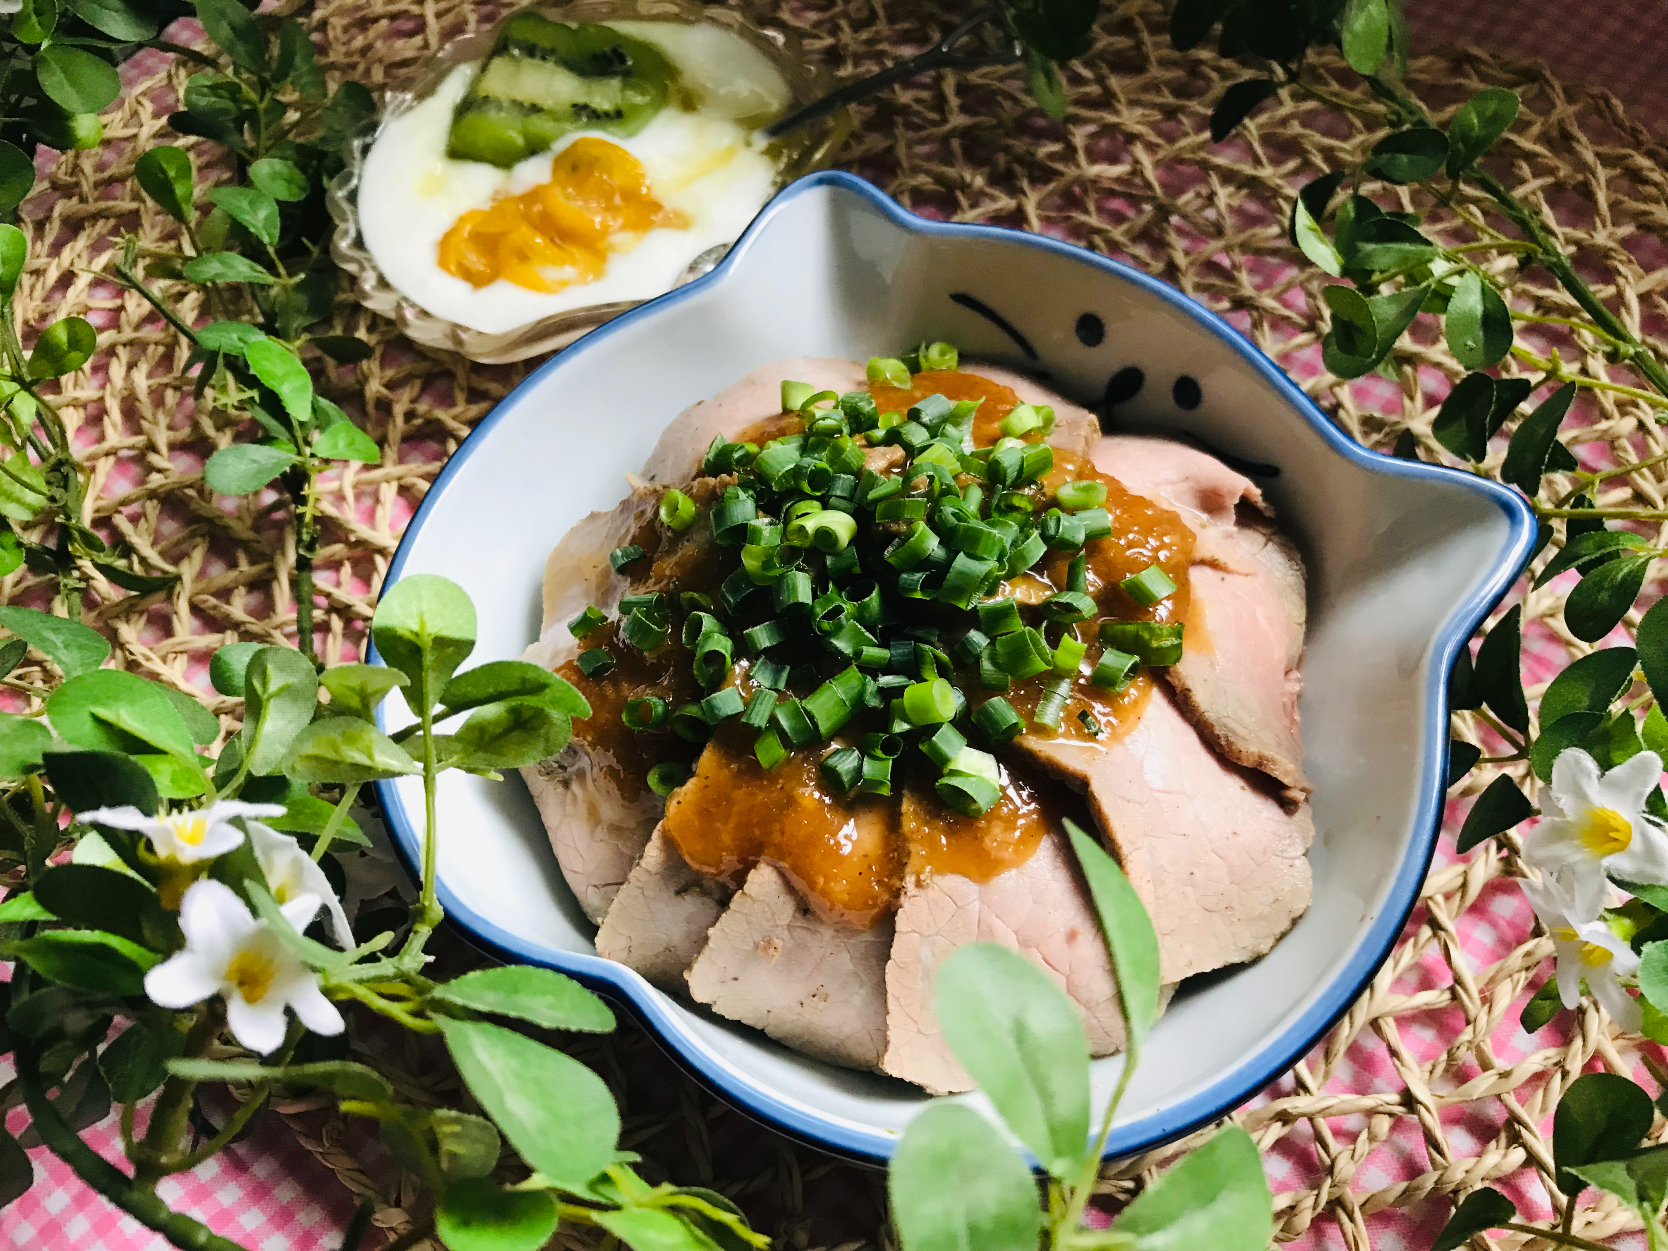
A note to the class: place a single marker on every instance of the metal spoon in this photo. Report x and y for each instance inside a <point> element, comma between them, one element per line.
<point>947,53</point>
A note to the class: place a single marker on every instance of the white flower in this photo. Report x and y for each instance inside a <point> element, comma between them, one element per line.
<point>1595,824</point>
<point>292,874</point>
<point>1586,949</point>
<point>187,837</point>
<point>228,952</point>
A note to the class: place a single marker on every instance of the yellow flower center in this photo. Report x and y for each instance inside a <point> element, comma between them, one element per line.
<point>1564,934</point>
<point>252,973</point>
<point>190,829</point>
<point>1594,956</point>
<point>1605,832</point>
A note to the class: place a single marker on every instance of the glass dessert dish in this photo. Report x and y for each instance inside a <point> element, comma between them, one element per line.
<point>500,321</point>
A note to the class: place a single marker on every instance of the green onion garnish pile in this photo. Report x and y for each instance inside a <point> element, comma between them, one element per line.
<point>865,604</point>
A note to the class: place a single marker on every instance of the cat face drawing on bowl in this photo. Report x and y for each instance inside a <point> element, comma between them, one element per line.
<point>1403,560</point>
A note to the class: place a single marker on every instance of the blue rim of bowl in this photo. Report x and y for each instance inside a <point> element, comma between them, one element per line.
<point>1277,1055</point>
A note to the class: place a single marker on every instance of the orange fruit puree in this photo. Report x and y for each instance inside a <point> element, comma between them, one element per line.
<point>560,232</point>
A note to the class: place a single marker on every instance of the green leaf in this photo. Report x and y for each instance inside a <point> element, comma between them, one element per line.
<point>35,21</point>
<point>1542,1007</point>
<point>990,1206</point>
<point>1411,155</point>
<point>466,1145</point>
<point>1530,451</point>
<point>297,64</point>
<point>473,1214</point>
<point>1602,1116</point>
<point>344,349</point>
<point>511,679</point>
<point>343,750</point>
<point>346,441</point>
<point>1462,757</point>
<point>1312,240</point>
<point>1589,549</point>
<point>18,501</point>
<point>1652,640</point>
<point>280,692</point>
<point>229,667</point>
<point>14,252</point>
<point>1497,809</point>
<point>510,735</point>
<point>278,179</point>
<point>225,266</point>
<point>1236,105</point>
<point>1601,599</point>
<point>650,1229</point>
<point>303,814</point>
<point>1589,684</point>
<point>22,740</point>
<point>358,689</point>
<point>231,337</point>
<point>116,18</point>
<point>202,724</point>
<point>13,652</point>
<point>95,779</point>
<point>89,959</point>
<point>1498,673</point>
<point>23,907</point>
<point>1394,313</point>
<point>244,468</point>
<point>1478,325</point>
<point>1461,424</point>
<point>342,1077</point>
<point>17,1174</point>
<point>17,177</point>
<point>77,81</point>
<point>1215,1197</point>
<point>1022,1041</point>
<point>280,368</point>
<point>1575,730</point>
<point>1365,35</point>
<point>541,996</point>
<point>1654,732</point>
<point>11,558</point>
<point>136,1063</point>
<point>109,710</point>
<point>1481,1211</point>
<point>569,1131</point>
<point>62,348</point>
<point>1046,88</point>
<point>1350,347</point>
<point>1128,932</point>
<point>251,208</point>
<point>1477,124</point>
<point>266,908</point>
<point>1653,974</point>
<point>1383,244</point>
<point>95,898</point>
<point>167,177</point>
<point>234,31</point>
<point>1191,20</point>
<point>424,627</point>
<point>139,583</point>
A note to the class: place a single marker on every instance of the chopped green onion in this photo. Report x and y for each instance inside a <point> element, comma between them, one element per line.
<point>688,724</point>
<point>878,744</point>
<point>1025,554</point>
<point>789,717</point>
<point>764,564</point>
<point>964,580</point>
<point>890,370</point>
<point>795,395</point>
<point>595,663</point>
<point>1021,422</point>
<point>812,476</point>
<point>775,463</point>
<point>939,356</point>
<point>866,605</point>
<point>1096,523</point>
<point>1052,706</point>
<point>695,601</point>
<point>800,508</point>
<point>879,490</point>
<point>1006,466</point>
<point>735,589</point>
<point>1012,506</point>
<point>841,768</point>
<point>730,518</point>
<point>933,410</point>
<point>620,557</point>
<point>1149,586</point>
<point>827,531</point>
<point>1068,606</point>
<point>1090,723</point>
<point>770,674</point>
<point>1022,654</point>
<point>913,436</point>
<point>1068,654</point>
<point>914,509</point>
<point>759,707</point>
<point>872,657</point>
<point>1114,670</point>
<point>936,454</point>
<point>991,677</point>
<point>722,705</point>
<point>1077,573</point>
<point>943,745</point>
<point>646,712</point>
<point>698,623</point>
<point>653,601</point>
<point>842,486</point>
<point>713,652</point>
<point>998,721</point>
<point>586,622</point>
<point>841,565</point>
<point>1149,641</point>
<point>978,540</point>
<point>967,794</point>
<point>793,590</point>
<point>970,645</point>
<point>763,532</point>
<point>877,775</point>
<point>766,634</point>
<point>667,776</point>
<point>1083,493</point>
<point>768,750</point>
<point>828,708</point>
<point>844,459</point>
<point>974,495</point>
<point>913,548</point>
<point>644,630</point>
<point>1035,461</point>
<point>929,703</point>
<point>1000,616</point>
<point>851,639</point>
<point>677,510</point>
<point>860,410</point>
<point>1061,531</point>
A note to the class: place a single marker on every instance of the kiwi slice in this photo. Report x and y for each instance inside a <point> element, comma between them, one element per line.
<point>546,78</point>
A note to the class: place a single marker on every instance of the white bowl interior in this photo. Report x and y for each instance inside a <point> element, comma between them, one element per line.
<point>1402,561</point>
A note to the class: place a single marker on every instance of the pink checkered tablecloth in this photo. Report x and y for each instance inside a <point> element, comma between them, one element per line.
<point>269,1194</point>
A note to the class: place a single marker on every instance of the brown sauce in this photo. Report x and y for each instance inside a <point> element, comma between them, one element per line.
<point>952,384</point>
<point>980,848</point>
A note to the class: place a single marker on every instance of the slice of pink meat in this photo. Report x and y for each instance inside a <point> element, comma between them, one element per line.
<point>658,922</point>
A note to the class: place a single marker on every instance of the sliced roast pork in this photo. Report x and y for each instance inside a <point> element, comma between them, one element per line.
<point>816,985</point>
<point>1220,864</point>
<point>658,922</point>
<point>1238,678</point>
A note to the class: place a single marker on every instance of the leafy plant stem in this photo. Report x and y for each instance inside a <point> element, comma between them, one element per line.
<point>386,1007</point>
<point>417,1233</point>
<point>43,837</point>
<point>133,283</point>
<point>333,826</point>
<point>1072,1217</point>
<point>1584,481</point>
<point>431,773</point>
<point>1555,373</point>
<point>306,548</point>
<point>1556,1236</point>
<point>171,1114</point>
<point>1509,735</point>
<point>1616,514</point>
<point>1586,327</point>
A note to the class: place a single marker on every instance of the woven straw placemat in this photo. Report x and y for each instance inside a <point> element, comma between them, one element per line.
<point>1132,174</point>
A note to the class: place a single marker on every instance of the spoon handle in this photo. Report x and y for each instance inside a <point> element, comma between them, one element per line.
<point>942,55</point>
